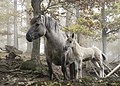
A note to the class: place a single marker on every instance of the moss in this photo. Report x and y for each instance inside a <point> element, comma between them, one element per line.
<point>28,65</point>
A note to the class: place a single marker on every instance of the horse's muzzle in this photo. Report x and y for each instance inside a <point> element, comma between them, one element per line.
<point>28,37</point>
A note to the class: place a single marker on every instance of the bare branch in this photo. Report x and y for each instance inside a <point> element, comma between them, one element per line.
<point>68,10</point>
<point>111,31</point>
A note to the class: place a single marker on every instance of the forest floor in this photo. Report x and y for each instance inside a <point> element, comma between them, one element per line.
<point>12,73</point>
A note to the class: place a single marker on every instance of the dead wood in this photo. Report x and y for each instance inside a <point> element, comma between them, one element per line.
<point>109,69</point>
<point>113,71</point>
<point>12,49</point>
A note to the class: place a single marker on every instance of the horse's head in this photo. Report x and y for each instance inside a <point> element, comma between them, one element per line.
<point>36,30</point>
<point>69,42</point>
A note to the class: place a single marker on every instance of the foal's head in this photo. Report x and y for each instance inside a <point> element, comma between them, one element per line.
<point>69,42</point>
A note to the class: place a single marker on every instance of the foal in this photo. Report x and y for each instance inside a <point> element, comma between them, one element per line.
<point>84,54</point>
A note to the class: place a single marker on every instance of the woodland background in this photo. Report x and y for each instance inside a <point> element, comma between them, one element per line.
<point>95,22</point>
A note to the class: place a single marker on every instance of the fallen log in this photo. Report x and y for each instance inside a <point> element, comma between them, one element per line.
<point>12,49</point>
<point>109,69</point>
<point>114,70</point>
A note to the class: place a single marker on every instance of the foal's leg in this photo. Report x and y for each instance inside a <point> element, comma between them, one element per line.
<point>49,63</point>
<point>76,70</point>
<point>80,68</point>
<point>96,65</point>
<point>101,67</point>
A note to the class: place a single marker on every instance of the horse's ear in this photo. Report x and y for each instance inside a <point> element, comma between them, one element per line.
<point>73,35</point>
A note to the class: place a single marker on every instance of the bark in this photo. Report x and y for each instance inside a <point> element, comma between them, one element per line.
<point>29,47</point>
<point>77,16</point>
<point>68,17</point>
<point>36,6</point>
<point>36,49</point>
<point>104,29</point>
<point>36,43</point>
<point>15,25</point>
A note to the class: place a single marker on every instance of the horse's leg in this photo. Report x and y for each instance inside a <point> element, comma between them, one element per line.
<point>63,66</point>
<point>72,70</point>
<point>49,63</point>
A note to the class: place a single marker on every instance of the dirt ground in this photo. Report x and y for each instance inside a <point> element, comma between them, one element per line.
<point>13,73</point>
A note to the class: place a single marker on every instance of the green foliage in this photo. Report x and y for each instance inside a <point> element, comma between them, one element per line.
<point>85,25</point>
<point>89,22</point>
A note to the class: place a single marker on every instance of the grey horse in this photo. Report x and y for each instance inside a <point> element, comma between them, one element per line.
<point>84,54</point>
<point>56,38</point>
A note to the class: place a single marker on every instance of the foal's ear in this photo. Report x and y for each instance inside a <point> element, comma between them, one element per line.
<point>67,35</point>
<point>39,16</point>
<point>73,35</point>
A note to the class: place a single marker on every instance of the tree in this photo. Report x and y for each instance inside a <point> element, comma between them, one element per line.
<point>104,29</point>
<point>77,16</point>
<point>90,22</point>
<point>6,19</point>
<point>15,25</point>
<point>36,43</point>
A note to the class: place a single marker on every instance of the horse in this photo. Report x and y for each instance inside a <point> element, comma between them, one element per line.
<point>85,54</point>
<point>54,46</point>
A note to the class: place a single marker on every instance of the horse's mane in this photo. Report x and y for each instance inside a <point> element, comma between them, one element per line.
<point>51,23</point>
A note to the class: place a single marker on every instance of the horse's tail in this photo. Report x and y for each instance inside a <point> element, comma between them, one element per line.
<point>104,56</point>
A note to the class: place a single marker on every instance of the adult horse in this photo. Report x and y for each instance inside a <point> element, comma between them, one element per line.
<point>84,54</point>
<point>48,27</point>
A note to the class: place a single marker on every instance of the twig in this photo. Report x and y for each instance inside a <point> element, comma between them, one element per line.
<point>2,49</point>
<point>115,59</point>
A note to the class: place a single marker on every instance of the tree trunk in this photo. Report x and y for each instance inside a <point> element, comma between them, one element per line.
<point>15,25</point>
<point>36,6</point>
<point>8,30</point>
<point>68,18</point>
<point>77,16</point>
<point>104,29</point>
<point>36,43</point>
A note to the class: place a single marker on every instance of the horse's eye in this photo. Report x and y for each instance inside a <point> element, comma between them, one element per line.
<point>37,24</point>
